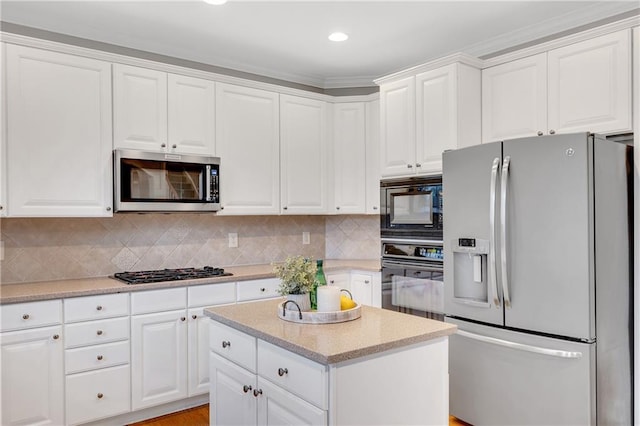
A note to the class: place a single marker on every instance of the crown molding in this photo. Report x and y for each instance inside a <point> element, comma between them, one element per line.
<point>462,58</point>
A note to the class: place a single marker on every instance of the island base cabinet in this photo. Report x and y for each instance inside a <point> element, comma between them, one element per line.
<point>408,386</point>
<point>279,407</point>
<point>231,393</point>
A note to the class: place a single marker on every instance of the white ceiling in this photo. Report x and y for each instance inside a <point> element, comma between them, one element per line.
<point>288,39</point>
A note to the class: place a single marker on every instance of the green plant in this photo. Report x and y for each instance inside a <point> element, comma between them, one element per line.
<point>297,275</point>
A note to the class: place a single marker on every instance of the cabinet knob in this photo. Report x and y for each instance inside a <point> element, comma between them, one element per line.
<point>262,289</point>
<point>194,316</point>
<point>183,319</point>
<point>99,357</point>
<point>56,336</point>
<point>164,145</point>
<point>409,166</point>
<point>98,308</point>
<point>337,207</point>
<point>284,208</point>
<point>1,207</point>
<point>108,209</point>
<point>100,395</point>
<point>99,332</point>
<point>25,317</point>
<point>257,392</point>
<point>226,344</point>
<point>375,207</point>
<point>331,281</point>
<point>552,132</point>
<point>282,371</point>
<point>540,133</point>
<point>174,146</point>
<point>246,388</point>
<point>366,281</point>
<point>418,165</point>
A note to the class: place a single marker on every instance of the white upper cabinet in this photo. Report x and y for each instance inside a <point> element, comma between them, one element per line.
<point>156,111</point>
<point>398,127</point>
<point>349,155</point>
<point>422,116</point>
<point>248,144</point>
<point>514,99</point>
<point>191,115</point>
<point>303,155</point>
<point>58,134</point>
<point>584,86</point>
<point>372,162</point>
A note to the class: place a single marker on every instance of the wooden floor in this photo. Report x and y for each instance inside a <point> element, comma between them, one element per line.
<point>200,416</point>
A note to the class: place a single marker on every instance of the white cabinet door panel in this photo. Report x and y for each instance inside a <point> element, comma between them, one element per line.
<point>398,127</point>
<point>278,407</point>
<point>349,154</point>
<point>373,157</point>
<point>231,396</point>
<point>198,352</point>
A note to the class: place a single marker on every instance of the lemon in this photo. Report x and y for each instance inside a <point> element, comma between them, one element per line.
<point>346,303</point>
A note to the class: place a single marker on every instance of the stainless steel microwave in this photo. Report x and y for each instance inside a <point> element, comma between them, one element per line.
<point>411,208</point>
<point>163,182</point>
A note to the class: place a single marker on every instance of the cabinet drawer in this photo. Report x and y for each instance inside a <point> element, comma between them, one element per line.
<point>96,332</point>
<point>234,345</point>
<point>297,374</point>
<point>32,314</point>
<point>258,289</point>
<point>211,294</point>
<point>98,356</point>
<point>98,394</point>
<point>96,307</point>
<point>171,299</point>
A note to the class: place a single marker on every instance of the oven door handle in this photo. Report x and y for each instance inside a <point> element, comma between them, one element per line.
<point>413,266</point>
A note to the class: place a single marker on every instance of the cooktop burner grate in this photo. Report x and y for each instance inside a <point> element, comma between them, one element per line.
<point>145,277</point>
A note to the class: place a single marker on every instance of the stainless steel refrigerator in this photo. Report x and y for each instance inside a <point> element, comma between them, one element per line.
<point>537,270</point>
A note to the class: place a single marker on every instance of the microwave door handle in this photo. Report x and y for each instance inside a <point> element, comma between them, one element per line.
<point>503,230</point>
<point>493,285</point>
<point>207,186</point>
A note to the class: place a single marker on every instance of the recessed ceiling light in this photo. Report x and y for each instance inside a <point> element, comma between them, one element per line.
<point>215,2</point>
<point>338,36</point>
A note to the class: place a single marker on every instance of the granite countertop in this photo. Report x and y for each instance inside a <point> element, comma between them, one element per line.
<point>377,330</point>
<point>46,290</point>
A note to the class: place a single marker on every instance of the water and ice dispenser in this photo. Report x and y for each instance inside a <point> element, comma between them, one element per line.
<point>470,274</point>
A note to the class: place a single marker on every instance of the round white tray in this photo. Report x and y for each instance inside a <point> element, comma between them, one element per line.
<point>314,317</point>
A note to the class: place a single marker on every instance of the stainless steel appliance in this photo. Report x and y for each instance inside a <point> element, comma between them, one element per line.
<point>538,280</point>
<point>154,181</point>
<point>412,279</point>
<point>411,208</point>
<point>159,275</point>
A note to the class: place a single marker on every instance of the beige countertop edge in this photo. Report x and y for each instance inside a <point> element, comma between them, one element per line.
<point>48,290</point>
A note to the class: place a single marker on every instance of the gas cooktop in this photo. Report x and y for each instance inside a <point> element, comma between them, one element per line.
<point>145,277</point>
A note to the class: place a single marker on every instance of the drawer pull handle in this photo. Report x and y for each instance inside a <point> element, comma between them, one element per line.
<point>183,318</point>
<point>246,388</point>
<point>282,371</point>
<point>257,392</point>
<point>25,317</point>
<point>99,308</point>
<point>56,336</point>
<point>226,344</point>
<point>100,396</point>
<point>99,357</point>
<point>99,332</point>
<point>194,316</point>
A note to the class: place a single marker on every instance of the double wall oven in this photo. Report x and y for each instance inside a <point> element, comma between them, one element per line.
<point>411,236</point>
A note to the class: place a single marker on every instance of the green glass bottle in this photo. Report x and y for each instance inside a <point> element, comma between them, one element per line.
<point>320,280</point>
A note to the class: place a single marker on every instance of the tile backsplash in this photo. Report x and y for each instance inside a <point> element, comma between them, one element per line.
<point>39,249</point>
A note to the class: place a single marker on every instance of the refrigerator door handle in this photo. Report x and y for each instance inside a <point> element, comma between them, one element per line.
<point>519,346</point>
<point>504,179</point>
<point>492,233</point>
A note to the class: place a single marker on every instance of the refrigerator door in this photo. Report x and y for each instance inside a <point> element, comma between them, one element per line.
<point>470,184</point>
<point>502,377</point>
<point>549,235</point>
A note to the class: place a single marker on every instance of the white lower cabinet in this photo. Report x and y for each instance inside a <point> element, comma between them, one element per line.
<point>365,287</point>
<point>231,397</point>
<point>278,407</point>
<point>31,354</point>
<point>198,352</point>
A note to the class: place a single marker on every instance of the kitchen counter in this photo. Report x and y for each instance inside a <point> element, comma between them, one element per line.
<point>46,290</point>
<point>377,330</point>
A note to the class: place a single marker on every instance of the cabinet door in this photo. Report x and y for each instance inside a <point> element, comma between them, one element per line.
<point>279,407</point>
<point>303,155</point>
<point>139,108</point>
<point>191,115</point>
<point>349,157</point>
<point>231,393</point>
<point>590,85</point>
<point>372,161</point>
<point>362,288</point>
<point>398,127</point>
<point>3,135</point>
<point>58,134</point>
<point>158,358</point>
<point>514,99</point>
<point>342,280</point>
<point>198,352</point>
<point>32,377</point>
<point>248,143</point>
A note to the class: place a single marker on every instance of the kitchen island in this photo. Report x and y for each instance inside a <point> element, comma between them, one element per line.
<point>382,368</point>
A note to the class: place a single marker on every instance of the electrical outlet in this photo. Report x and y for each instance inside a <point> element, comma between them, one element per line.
<point>233,239</point>
<point>305,238</point>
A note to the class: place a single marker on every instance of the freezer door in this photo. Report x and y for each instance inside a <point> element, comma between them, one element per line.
<point>502,377</point>
<point>470,182</point>
<point>549,235</point>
